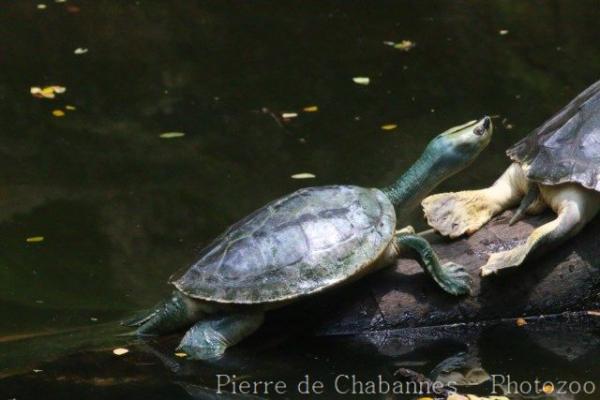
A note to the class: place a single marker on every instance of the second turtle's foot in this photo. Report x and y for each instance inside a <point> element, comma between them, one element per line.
<point>454,279</point>
<point>504,260</point>
<point>454,214</point>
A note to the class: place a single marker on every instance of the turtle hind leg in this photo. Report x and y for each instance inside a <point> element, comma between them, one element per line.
<point>174,313</point>
<point>575,207</point>
<point>454,214</point>
<point>451,277</point>
<point>210,338</point>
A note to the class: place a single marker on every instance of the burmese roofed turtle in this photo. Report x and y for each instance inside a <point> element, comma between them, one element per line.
<point>557,166</point>
<point>304,243</point>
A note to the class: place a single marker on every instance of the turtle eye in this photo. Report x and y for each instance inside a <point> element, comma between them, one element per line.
<point>478,131</point>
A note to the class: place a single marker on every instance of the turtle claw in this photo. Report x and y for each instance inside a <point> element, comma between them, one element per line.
<point>455,279</point>
<point>454,214</point>
<point>503,260</point>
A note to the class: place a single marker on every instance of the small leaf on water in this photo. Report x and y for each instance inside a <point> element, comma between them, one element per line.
<point>303,175</point>
<point>34,239</point>
<point>181,355</point>
<point>120,351</point>
<point>310,109</point>
<point>361,80</point>
<point>37,371</point>
<point>58,113</point>
<point>405,45</point>
<point>521,322</point>
<point>548,388</point>
<point>503,32</point>
<point>389,43</point>
<point>171,135</point>
<point>41,6</point>
<point>389,127</point>
<point>80,50</point>
<point>70,108</point>
<point>287,115</point>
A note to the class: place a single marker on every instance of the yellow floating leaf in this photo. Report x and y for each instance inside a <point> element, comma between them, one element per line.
<point>548,388</point>
<point>303,175</point>
<point>120,351</point>
<point>171,135</point>
<point>594,313</point>
<point>405,45</point>
<point>181,355</point>
<point>310,109</point>
<point>361,80</point>
<point>288,115</point>
<point>521,322</point>
<point>389,127</point>
<point>70,108</point>
<point>425,398</point>
<point>34,239</point>
<point>58,113</point>
<point>58,89</point>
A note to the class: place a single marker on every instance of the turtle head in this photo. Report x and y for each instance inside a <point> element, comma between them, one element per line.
<point>457,147</point>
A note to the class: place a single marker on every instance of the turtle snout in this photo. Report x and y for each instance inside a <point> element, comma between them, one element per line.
<point>486,122</point>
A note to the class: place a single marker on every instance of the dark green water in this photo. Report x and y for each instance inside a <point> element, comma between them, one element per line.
<point>120,209</point>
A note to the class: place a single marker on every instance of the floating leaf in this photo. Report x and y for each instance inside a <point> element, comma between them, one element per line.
<point>310,109</point>
<point>120,351</point>
<point>70,108</point>
<point>41,6</point>
<point>58,113</point>
<point>389,43</point>
<point>47,92</point>
<point>80,50</point>
<point>503,32</point>
<point>34,239</point>
<point>171,135</point>
<point>37,371</point>
<point>288,115</point>
<point>303,175</point>
<point>594,313</point>
<point>389,127</point>
<point>181,355</point>
<point>521,322</point>
<point>548,388</point>
<point>405,45</point>
<point>361,80</point>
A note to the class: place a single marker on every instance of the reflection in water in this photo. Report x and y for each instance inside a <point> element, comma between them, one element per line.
<point>120,208</point>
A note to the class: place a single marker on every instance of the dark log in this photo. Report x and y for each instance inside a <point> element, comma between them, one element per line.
<point>566,279</point>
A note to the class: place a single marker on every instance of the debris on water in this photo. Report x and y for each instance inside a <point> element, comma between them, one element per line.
<point>181,355</point>
<point>288,115</point>
<point>361,80</point>
<point>41,6</point>
<point>171,135</point>
<point>94,319</point>
<point>389,127</point>
<point>521,322</point>
<point>80,50</point>
<point>70,108</point>
<point>47,92</point>
<point>405,45</point>
<point>34,239</point>
<point>37,371</point>
<point>60,1</point>
<point>594,313</point>
<point>120,351</point>
<point>58,113</point>
<point>303,175</point>
<point>503,32</point>
<point>310,109</point>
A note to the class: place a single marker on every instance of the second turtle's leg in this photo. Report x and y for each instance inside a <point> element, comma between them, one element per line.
<point>454,214</point>
<point>211,337</point>
<point>451,277</point>
<point>575,207</point>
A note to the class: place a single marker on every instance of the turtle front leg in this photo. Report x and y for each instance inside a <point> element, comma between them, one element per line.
<point>451,277</point>
<point>210,338</point>
<point>575,207</point>
<point>454,214</point>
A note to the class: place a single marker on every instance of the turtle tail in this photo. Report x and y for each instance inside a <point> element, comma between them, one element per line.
<point>173,314</point>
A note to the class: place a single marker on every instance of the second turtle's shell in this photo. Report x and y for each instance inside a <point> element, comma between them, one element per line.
<point>566,148</point>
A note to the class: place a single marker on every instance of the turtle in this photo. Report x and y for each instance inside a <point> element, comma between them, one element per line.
<point>309,241</point>
<point>556,166</point>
